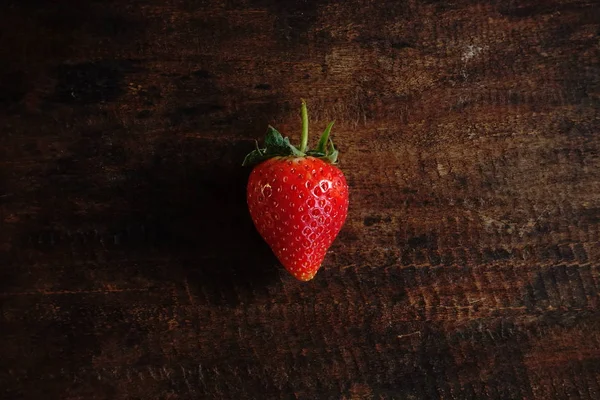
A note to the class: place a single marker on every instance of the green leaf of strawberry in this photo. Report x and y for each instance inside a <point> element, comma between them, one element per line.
<point>277,145</point>
<point>298,199</point>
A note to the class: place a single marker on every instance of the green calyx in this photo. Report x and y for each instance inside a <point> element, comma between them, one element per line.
<point>278,146</point>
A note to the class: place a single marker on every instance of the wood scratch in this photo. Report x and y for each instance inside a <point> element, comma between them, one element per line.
<point>530,225</point>
<point>475,301</point>
<point>189,293</point>
<point>417,333</point>
<point>68,292</point>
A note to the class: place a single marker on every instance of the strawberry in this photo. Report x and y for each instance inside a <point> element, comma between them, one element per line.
<point>298,198</point>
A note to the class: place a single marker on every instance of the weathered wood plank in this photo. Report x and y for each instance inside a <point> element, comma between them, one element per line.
<point>469,266</point>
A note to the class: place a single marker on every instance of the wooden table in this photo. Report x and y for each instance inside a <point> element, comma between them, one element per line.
<point>469,265</point>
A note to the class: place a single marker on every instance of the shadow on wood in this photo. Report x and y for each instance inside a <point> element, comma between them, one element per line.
<point>197,215</point>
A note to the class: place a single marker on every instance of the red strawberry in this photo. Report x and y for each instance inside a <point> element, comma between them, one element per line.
<point>298,199</point>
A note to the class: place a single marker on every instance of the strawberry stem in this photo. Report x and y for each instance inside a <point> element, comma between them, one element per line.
<point>304,138</point>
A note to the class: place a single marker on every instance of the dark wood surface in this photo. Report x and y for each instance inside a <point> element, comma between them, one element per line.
<point>468,268</point>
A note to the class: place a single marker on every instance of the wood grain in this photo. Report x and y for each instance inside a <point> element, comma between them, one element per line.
<point>468,268</point>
